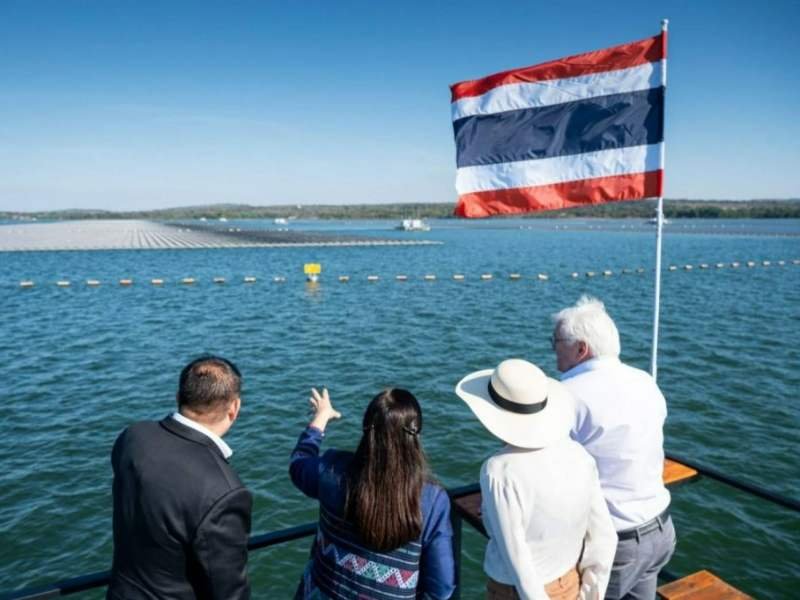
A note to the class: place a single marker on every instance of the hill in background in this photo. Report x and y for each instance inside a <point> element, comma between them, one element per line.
<point>706,209</point>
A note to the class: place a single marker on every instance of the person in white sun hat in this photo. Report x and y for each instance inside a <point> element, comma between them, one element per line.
<point>550,533</point>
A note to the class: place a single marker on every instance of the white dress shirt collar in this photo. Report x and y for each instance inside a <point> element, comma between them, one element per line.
<point>223,447</point>
<point>592,364</point>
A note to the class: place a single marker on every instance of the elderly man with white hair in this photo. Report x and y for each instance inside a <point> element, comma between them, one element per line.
<point>619,419</point>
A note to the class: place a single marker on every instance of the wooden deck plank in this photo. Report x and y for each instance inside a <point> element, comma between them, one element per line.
<point>703,585</point>
<point>675,472</point>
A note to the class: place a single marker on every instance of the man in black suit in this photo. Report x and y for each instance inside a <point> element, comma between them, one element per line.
<point>181,514</point>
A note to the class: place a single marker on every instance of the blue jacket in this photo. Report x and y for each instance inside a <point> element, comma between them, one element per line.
<point>322,478</point>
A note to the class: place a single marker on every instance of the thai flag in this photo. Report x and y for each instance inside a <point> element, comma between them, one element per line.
<point>580,130</point>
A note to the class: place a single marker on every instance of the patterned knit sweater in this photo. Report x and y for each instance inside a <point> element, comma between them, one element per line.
<point>342,568</point>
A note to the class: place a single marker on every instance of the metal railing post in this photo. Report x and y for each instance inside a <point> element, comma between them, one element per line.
<point>457,522</point>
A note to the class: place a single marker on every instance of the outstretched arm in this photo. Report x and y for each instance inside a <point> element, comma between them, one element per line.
<point>304,464</point>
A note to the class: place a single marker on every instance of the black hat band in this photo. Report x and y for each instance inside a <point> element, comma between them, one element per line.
<point>515,407</point>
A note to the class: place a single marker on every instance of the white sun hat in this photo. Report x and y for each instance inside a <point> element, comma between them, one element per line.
<point>519,404</point>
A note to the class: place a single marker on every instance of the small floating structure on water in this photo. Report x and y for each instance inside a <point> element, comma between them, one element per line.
<point>126,282</point>
<point>542,277</point>
<point>486,276</point>
<point>26,284</point>
<point>157,281</point>
<point>344,278</point>
<point>312,272</point>
<point>92,282</point>
<point>249,279</point>
<point>514,276</point>
<point>429,277</point>
<point>458,277</point>
<point>279,279</point>
<point>188,281</point>
<point>63,283</point>
<point>372,278</point>
<point>219,280</point>
<point>401,277</point>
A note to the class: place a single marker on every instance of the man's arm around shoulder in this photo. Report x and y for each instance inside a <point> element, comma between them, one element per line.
<point>220,545</point>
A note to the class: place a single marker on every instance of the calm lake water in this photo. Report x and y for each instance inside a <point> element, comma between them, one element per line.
<point>79,364</point>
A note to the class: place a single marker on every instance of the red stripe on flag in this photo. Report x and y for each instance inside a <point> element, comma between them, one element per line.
<point>569,194</point>
<point>623,56</point>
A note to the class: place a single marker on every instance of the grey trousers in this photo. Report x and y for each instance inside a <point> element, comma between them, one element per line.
<point>634,574</point>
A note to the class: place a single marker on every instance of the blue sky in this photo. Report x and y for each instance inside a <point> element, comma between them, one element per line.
<point>133,105</point>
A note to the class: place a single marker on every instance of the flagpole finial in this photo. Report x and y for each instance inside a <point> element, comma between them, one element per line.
<point>664,23</point>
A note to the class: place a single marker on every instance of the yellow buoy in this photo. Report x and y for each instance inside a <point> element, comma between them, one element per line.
<point>312,271</point>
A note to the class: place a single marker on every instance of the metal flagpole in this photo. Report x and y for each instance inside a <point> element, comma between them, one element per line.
<point>659,217</point>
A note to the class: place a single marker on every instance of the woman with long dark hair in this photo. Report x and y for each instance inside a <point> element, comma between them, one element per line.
<point>384,527</point>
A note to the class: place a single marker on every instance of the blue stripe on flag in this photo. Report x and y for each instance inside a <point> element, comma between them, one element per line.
<point>589,125</point>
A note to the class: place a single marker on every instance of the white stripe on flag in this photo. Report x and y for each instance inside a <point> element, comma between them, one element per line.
<point>547,171</point>
<point>515,96</point>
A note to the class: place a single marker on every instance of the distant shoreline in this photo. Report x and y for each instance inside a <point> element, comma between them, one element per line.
<point>673,209</point>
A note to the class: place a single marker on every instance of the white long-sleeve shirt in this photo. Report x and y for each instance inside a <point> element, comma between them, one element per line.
<point>539,508</point>
<point>620,415</point>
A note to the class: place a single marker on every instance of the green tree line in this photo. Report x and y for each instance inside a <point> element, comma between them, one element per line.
<point>681,209</point>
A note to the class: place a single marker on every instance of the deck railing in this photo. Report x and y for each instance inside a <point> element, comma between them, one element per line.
<point>458,515</point>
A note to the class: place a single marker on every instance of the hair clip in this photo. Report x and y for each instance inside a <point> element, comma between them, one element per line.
<point>410,431</point>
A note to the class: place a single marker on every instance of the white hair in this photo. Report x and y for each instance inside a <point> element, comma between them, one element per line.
<point>587,321</point>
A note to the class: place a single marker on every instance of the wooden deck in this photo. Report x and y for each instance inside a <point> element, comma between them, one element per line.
<point>703,585</point>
